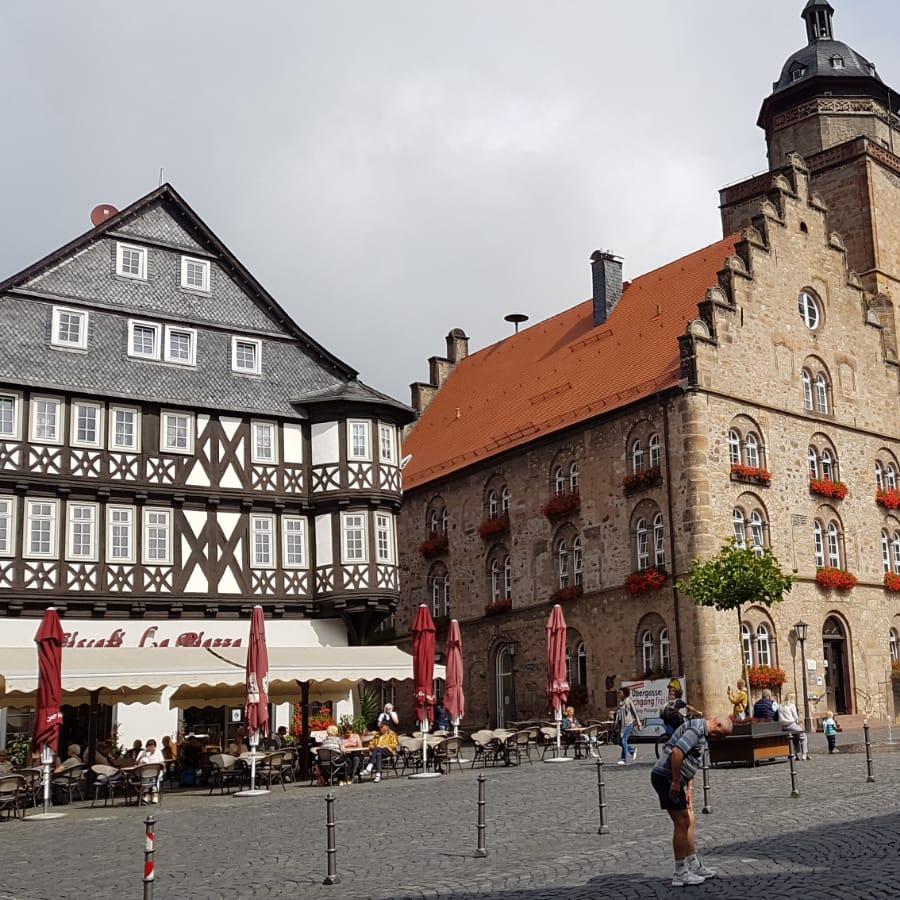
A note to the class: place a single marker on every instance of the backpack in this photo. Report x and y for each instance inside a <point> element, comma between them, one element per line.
<point>671,717</point>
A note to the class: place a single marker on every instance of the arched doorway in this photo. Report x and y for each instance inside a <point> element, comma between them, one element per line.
<point>837,671</point>
<point>506,701</point>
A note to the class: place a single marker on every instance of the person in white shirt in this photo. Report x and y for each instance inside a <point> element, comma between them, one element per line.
<point>388,717</point>
<point>148,756</point>
<point>790,722</point>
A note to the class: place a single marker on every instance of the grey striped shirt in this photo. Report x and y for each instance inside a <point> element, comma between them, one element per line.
<point>691,740</point>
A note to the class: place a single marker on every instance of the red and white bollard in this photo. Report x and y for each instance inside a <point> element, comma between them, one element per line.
<point>149,865</point>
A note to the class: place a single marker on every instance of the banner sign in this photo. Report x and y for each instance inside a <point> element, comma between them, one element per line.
<point>651,696</point>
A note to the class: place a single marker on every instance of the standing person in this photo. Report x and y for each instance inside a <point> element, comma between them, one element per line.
<point>829,726</point>
<point>441,717</point>
<point>627,719</point>
<point>739,701</point>
<point>790,722</point>
<point>673,780</point>
<point>384,745</point>
<point>388,717</point>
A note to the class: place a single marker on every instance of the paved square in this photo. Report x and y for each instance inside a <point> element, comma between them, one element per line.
<point>406,839</point>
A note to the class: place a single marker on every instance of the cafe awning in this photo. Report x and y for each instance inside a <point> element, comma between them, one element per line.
<point>200,676</point>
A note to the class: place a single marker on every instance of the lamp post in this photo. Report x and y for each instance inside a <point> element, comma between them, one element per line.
<point>801,629</point>
<point>512,649</point>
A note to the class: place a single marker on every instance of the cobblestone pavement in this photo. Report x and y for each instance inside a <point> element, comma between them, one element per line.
<point>414,839</point>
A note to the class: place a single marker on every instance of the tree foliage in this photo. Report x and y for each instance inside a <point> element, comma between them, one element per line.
<point>737,577</point>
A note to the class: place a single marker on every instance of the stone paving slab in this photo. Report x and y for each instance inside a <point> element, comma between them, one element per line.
<point>414,839</point>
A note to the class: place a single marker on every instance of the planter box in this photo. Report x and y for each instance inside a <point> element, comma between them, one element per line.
<point>751,744</point>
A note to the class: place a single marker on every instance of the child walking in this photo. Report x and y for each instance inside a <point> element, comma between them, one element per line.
<point>829,726</point>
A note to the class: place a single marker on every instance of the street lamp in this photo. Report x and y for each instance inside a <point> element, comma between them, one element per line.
<point>801,629</point>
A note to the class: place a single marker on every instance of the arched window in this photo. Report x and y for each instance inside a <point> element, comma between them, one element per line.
<point>559,481</point>
<point>763,646</point>
<point>659,541</point>
<point>895,547</point>
<point>637,457</point>
<point>895,645</point>
<point>665,652</point>
<point>569,665</point>
<point>829,466</point>
<point>444,521</point>
<point>647,655</point>
<point>734,447</point>
<point>737,520</point>
<point>654,451</point>
<point>812,459</point>
<point>885,551</point>
<point>823,390</point>
<point>808,304</point>
<point>440,590</point>
<point>879,475</point>
<point>757,532</point>
<point>581,664</point>
<point>562,555</point>
<point>819,544</point>
<point>752,449</point>
<point>642,540</point>
<point>492,504</point>
<point>434,523</point>
<point>495,580</point>
<point>806,378</point>
<point>504,500</point>
<point>573,477</point>
<point>890,477</point>
<point>834,546</point>
<point>578,560</point>
<point>507,577</point>
<point>747,644</point>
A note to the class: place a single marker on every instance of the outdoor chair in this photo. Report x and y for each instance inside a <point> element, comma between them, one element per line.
<point>409,753</point>
<point>34,784</point>
<point>226,772</point>
<point>107,780</point>
<point>486,748</point>
<point>447,752</point>
<point>68,783</point>
<point>270,769</point>
<point>331,763</point>
<point>289,764</point>
<point>13,796</point>
<point>145,781</point>
<point>548,737</point>
<point>517,745</point>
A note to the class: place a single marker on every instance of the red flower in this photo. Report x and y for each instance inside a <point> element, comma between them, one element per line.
<point>835,579</point>
<point>434,546</point>
<point>888,499</point>
<point>825,487</point>
<point>755,474</point>
<point>567,593</point>
<point>766,677</point>
<point>892,582</point>
<point>639,481</point>
<point>559,506</point>
<point>498,607</point>
<point>645,582</point>
<point>494,525</point>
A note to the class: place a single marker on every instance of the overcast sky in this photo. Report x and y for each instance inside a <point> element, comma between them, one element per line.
<point>392,170</point>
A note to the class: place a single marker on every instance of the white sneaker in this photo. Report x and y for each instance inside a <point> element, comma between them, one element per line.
<point>633,755</point>
<point>682,879</point>
<point>703,871</point>
<point>368,769</point>
<point>377,777</point>
<point>621,762</point>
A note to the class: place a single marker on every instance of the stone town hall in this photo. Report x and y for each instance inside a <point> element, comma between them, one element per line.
<point>749,389</point>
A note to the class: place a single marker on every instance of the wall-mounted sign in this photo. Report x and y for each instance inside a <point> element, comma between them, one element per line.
<point>811,665</point>
<point>531,667</point>
<point>237,715</point>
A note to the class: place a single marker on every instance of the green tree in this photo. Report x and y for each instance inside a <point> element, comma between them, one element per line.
<point>734,578</point>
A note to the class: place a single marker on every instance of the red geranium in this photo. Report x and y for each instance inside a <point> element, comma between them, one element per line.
<point>498,607</point>
<point>435,545</point>
<point>645,582</point>
<point>756,474</point>
<point>567,593</point>
<point>646,478</point>
<point>888,499</point>
<point>562,504</point>
<point>892,582</point>
<point>825,487</point>
<point>766,677</point>
<point>494,525</point>
<point>835,579</point>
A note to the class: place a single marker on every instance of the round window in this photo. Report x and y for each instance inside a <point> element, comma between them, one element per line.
<point>808,304</point>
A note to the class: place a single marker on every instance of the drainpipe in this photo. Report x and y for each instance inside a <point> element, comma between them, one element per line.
<point>675,594</point>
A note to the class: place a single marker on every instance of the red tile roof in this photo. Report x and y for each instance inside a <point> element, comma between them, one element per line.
<point>562,370</point>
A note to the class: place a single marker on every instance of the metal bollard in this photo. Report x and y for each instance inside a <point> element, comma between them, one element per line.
<point>795,791</point>
<point>149,850</point>
<point>870,763</point>
<point>331,847</point>
<point>481,852</point>
<point>707,809</point>
<point>601,797</point>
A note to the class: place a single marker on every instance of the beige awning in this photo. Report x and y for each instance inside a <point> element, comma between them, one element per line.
<point>200,676</point>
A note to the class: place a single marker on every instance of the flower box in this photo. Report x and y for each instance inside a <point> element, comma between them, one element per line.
<point>641,481</point>
<point>559,506</point>
<point>498,607</point>
<point>494,525</point>
<point>752,474</point>
<point>646,581</point>
<point>760,677</point>
<point>888,499</point>
<point>835,579</point>
<point>825,487</point>
<point>567,593</point>
<point>756,728</point>
<point>892,582</point>
<point>434,546</point>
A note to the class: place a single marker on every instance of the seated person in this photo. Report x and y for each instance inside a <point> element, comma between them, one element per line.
<point>238,746</point>
<point>279,739</point>
<point>351,741</point>
<point>103,754</point>
<point>332,742</point>
<point>73,759</point>
<point>169,748</point>
<point>569,721</point>
<point>384,746</point>
<point>570,724</point>
<point>5,765</point>
<point>131,755</point>
<point>151,756</point>
<point>765,708</point>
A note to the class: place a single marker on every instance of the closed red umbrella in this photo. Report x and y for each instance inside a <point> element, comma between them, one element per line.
<point>454,697</point>
<point>557,677</point>
<point>48,721</point>
<point>257,709</point>
<point>423,679</point>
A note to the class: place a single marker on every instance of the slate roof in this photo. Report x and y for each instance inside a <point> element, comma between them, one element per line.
<point>563,370</point>
<point>816,58</point>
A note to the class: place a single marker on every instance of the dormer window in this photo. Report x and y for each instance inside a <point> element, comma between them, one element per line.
<point>195,274</point>
<point>837,62</point>
<point>797,73</point>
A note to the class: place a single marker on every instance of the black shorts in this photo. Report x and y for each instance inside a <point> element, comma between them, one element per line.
<point>663,786</point>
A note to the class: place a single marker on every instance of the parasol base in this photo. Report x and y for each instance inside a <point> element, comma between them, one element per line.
<point>43,817</point>
<point>256,792</point>
<point>426,775</point>
<point>559,759</point>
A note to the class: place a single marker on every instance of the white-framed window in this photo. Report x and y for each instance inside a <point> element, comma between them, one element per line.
<point>440,594</point>
<point>573,477</point>
<point>181,345</point>
<point>763,646</point>
<point>504,500</point>
<point>559,481</point>
<point>895,548</point>
<point>734,447</point>
<point>659,541</point>
<point>885,551</point>
<point>507,577</point>
<point>493,504</point>
<point>144,339</point>
<point>757,532</point>
<point>46,420</point>
<point>747,644</point>
<point>387,443</point>
<point>647,654</point>
<point>837,62</point>
<point>131,261</point>
<point>87,424</point>
<point>81,531</point>
<point>879,475</point>
<point>157,537</point>
<point>654,451</point>
<point>642,541</point>
<point>495,580</point>
<point>69,328</point>
<point>120,534</point>
<point>445,520</point>
<point>812,460</point>
<point>829,467</point>
<point>265,442</point>
<point>819,545</point>
<point>834,545</point>
<point>246,356</point>
<point>176,433</point>
<point>125,428</point>
<point>823,403</point>
<point>562,554</point>
<point>894,645</point>
<point>665,651</point>
<point>293,542</point>
<point>890,476</point>
<point>353,529</point>
<point>358,443</point>
<point>751,448</point>
<point>578,560</point>
<point>7,526</point>
<point>739,524</point>
<point>9,415</point>
<point>262,542</point>
<point>808,305</point>
<point>384,538</point>
<point>42,533</point>
<point>637,457</point>
<point>806,379</point>
<point>195,274</point>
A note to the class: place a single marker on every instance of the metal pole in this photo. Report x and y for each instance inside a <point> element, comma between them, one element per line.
<point>331,848</point>
<point>254,743</point>
<point>807,721</point>
<point>601,798</point>
<point>481,852</point>
<point>795,791</point>
<point>870,765</point>
<point>707,808</point>
<point>149,850</point>
<point>46,762</point>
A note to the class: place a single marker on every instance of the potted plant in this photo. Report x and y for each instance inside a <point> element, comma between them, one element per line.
<point>825,487</point>
<point>567,593</point>
<point>561,504</point>
<point>760,677</point>
<point>643,480</point>
<point>645,581</point>
<point>835,579</point>
<point>494,525</point>
<point>498,607</point>
<point>435,545</point>
<point>889,499</point>
<point>752,474</point>
<point>892,582</point>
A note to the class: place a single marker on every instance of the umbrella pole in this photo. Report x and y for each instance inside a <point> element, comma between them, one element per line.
<point>423,725</point>
<point>254,743</point>
<point>559,757</point>
<point>47,774</point>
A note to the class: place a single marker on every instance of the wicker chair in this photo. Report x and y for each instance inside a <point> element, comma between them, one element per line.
<point>107,780</point>
<point>146,782</point>
<point>226,771</point>
<point>409,753</point>
<point>331,763</point>
<point>486,748</point>
<point>271,769</point>
<point>69,782</point>
<point>447,752</point>
<point>13,796</point>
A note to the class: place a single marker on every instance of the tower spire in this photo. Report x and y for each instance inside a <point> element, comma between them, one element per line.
<point>818,15</point>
